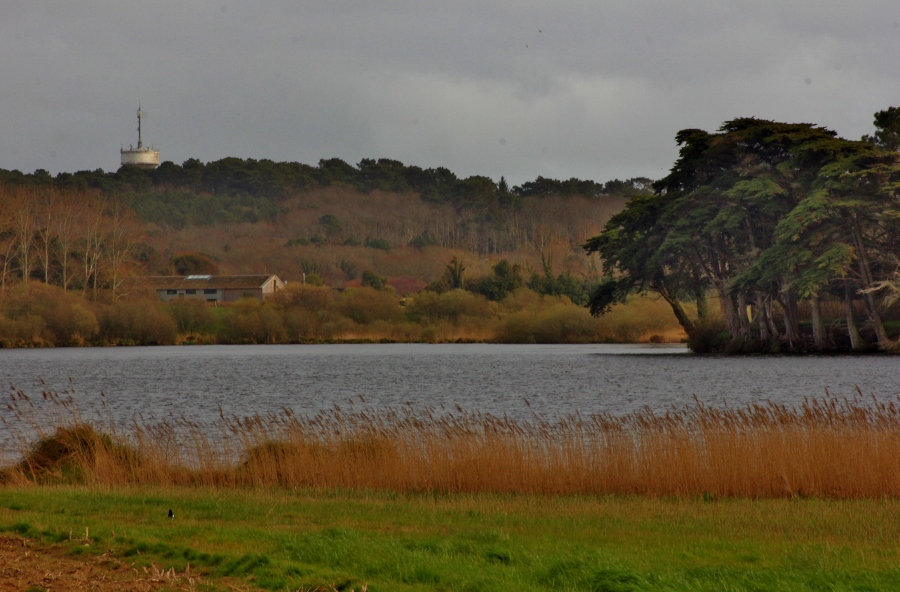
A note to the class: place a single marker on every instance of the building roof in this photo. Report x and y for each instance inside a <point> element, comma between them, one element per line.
<point>220,282</point>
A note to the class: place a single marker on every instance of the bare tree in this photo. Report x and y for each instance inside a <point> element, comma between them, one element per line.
<point>44,207</point>
<point>7,237</point>
<point>119,238</point>
<point>90,229</point>
<point>65,227</point>
<point>23,228</point>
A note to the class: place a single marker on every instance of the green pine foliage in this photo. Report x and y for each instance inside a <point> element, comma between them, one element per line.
<point>771,218</point>
<point>233,190</point>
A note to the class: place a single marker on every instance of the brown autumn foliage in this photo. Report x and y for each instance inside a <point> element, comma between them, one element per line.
<point>75,239</point>
<point>64,253</point>
<point>37,314</point>
<point>826,448</point>
<point>298,242</point>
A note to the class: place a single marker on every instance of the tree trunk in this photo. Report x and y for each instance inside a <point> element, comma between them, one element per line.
<point>856,342</point>
<point>702,306</point>
<point>770,317</point>
<point>744,317</point>
<point>791,326</point>
<point>817,327</point>
<point>762,318</point>
<point>868,280</point>
<point>683,319</point>
<point>732,320</point>
<point>877,323</point>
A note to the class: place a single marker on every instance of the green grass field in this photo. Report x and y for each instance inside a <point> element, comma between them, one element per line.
<point>279,539</point>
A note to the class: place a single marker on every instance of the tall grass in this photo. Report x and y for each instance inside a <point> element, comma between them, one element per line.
<point>839,448</point>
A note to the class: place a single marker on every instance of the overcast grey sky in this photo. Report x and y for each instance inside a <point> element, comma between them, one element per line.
<point>594,90</point>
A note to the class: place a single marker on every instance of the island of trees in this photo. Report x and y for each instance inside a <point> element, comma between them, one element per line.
<point>778,221</point>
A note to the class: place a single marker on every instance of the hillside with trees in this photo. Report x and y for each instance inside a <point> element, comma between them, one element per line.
<point>499,262</point>
<point>333,221</point>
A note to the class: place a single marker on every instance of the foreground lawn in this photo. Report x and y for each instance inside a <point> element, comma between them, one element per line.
<point>279,539</point>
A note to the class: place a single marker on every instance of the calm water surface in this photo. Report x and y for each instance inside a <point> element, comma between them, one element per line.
<point>195,382</point>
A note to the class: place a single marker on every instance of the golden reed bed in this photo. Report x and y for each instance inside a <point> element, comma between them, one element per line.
<point>839,448</point>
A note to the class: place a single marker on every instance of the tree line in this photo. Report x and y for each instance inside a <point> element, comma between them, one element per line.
<point>249,190</point>
<point>776,220</point>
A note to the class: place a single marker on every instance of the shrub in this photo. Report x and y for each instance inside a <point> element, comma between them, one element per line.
<point>191,316</point>
<point>561,323</point>
<point>367,305</point>
<point>23,330</point>
<point>142,322</point>
<point>505,279</point>
<point>41,313</point>
<point>378,243</point>
<point>313,279</point>
<point>522,299</point>
<point>337,328</point>
<point>349,269</point>
<point>638,320</point>
<point>373,280</point>
<point>421,241</point>
<point>306,296</point>
<point>194,263</point>
<point>302,325</point>
<point>330,223</point>
<point>453,306</point>
<point>70,322</point>
<point>250,321</point>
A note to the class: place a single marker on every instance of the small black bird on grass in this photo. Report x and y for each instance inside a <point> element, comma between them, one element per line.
<point>171,515</point>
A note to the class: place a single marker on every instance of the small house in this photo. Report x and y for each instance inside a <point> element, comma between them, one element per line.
<point>214,288</point>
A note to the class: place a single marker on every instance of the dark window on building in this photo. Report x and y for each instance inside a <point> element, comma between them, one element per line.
<point>210,291</point>
<point>171,291</point>
<point>190,291</point>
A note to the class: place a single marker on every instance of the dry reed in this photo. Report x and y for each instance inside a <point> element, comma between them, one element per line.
<point>840,448</point>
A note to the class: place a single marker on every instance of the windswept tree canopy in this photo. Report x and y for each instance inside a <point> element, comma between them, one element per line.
<point>766,214</point>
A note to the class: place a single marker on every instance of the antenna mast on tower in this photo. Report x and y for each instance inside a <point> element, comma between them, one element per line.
<point>145,158</point>
<point>140,143</point>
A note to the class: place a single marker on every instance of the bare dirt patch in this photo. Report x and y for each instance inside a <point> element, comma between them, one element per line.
<point>28,565</point>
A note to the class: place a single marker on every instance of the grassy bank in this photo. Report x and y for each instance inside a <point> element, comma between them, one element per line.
<point>761,498</point>
<point>304,539</point>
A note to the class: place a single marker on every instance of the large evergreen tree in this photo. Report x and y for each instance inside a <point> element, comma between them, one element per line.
<point>767,215</point>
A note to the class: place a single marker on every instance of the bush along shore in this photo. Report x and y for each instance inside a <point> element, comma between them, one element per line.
<point>41,315</point>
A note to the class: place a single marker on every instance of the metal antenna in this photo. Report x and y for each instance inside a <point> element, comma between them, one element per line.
<point>140,144</point>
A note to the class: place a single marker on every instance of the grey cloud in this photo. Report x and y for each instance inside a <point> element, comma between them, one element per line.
<point>586,89</point>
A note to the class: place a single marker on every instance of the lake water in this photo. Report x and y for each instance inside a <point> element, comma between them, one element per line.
<point>195,382</point>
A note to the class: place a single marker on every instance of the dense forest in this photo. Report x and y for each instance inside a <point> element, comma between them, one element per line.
<point>780,222</point>
<point>235,190</point>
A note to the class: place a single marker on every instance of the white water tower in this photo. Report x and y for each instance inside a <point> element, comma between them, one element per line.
<point>145,158</point>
